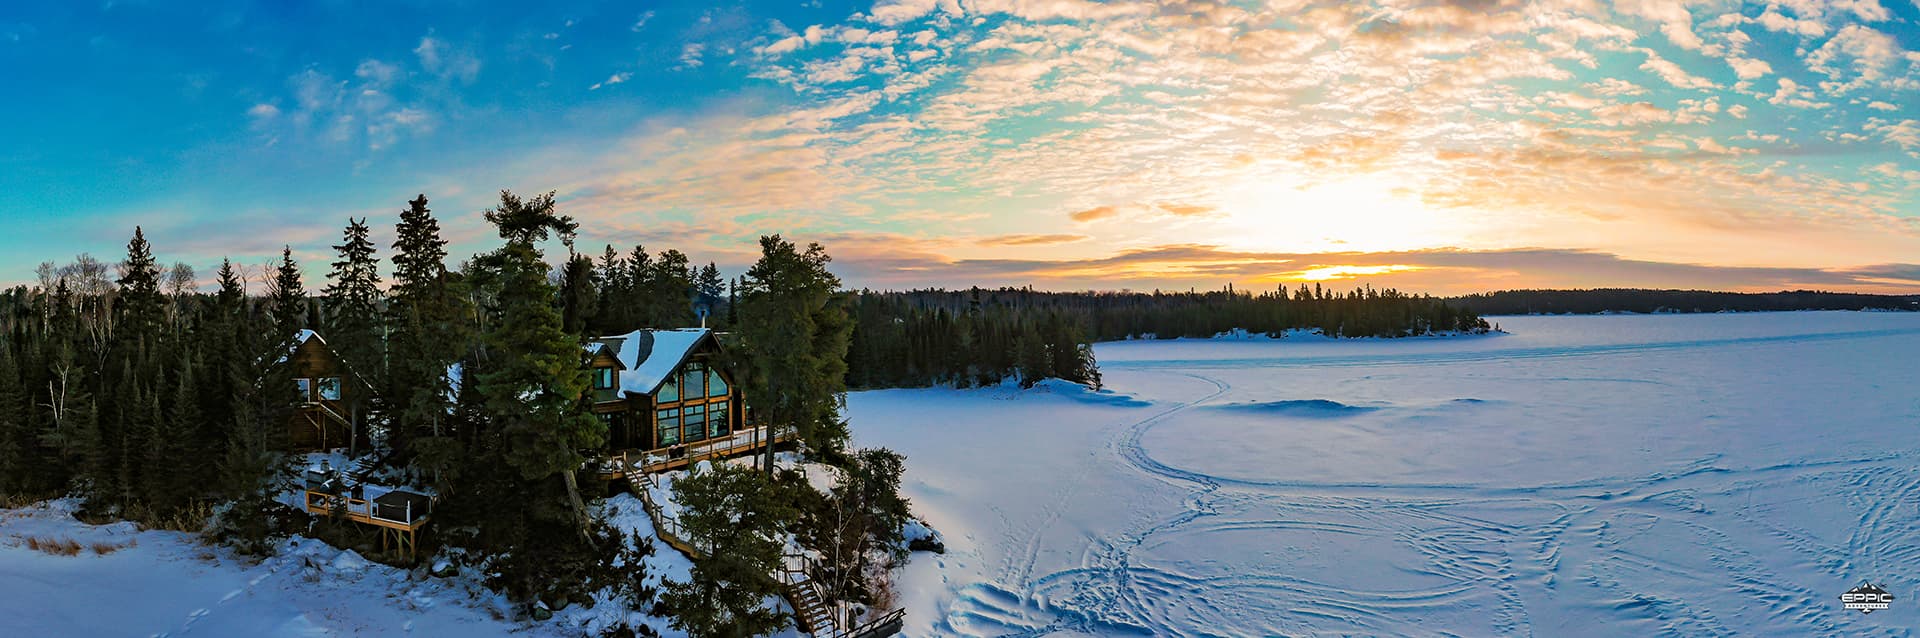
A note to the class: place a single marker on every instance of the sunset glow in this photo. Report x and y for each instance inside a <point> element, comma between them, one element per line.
<point>1061,144</point>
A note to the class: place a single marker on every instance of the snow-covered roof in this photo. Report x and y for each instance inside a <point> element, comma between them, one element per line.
<point>299,339</point>
<point>648,357</point>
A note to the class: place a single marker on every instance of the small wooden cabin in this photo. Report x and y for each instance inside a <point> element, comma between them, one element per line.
<point>659,390</point>
<point>329,396</point>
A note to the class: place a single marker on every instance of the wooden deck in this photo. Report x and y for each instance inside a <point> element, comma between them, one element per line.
<point>620,464</point>
<point>398,514</point>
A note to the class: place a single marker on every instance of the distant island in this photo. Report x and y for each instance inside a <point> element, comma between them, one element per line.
<point>1640,300</point>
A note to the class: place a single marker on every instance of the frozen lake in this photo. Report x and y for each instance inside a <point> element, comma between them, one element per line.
<point>1613,475</point>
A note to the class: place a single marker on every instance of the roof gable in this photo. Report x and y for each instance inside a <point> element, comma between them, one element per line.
<point>648,357</point>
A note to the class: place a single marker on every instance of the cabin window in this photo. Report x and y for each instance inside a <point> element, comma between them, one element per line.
<point>692,377</point>
<point>305,387</point>
<point>717,420</point>
<point>329,388</point>
<point>696,418</point>
<point>716,386</point>
<point>669,391</point>
<point>669,427</point>
<point>603,378</point>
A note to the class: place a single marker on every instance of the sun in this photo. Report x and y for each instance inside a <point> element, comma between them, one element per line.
<point>1365,213</point>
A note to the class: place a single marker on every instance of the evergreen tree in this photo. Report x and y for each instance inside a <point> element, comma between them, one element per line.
<point>17,449</point>
<point>356,329</point>
<point>140,303</point>
<point>354,326</point>
<point>611,315</point>
<point>669,291</point>
<point>794,332</point>
<point>737,517</point>
<point>287,300</point>
<point>172,479</point>
<point>536,380</point>
<point>426,335</point>
<point>578,297</point>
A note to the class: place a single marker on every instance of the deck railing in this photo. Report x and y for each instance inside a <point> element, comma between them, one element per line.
<point>663,459</point>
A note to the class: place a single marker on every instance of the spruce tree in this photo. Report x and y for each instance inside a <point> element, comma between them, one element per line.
<point>425,335</point>
<point>287,300</point>
<point>579,298</point>
<point>610,312</point>
<point>355,328</point>
<point>17,453</point>
<point>140,303</point>
<point>670,291</point>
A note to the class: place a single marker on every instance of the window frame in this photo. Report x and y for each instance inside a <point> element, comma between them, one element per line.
<point>321,386</point>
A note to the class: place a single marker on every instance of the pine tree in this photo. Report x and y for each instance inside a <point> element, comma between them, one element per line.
<point>287,300</point>
<point>425,336</point>
<point>140,303</point>
<point>170,474</point>
<point>353,298</point>
<point>795,333</point>
<point>610,313</point>
<point>738,516</point>
<point>17,449</point>
<point>670,291</point>
<point>579,298</point>
<point>356,329</point>
<point>536,381</point>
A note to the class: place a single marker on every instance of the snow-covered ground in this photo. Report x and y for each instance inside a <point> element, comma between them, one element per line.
<point>1646,475</point>
<point>156,583</point>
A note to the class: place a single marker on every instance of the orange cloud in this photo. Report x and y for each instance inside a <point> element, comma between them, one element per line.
<point>1029,240</point>
<point>1092,214</point>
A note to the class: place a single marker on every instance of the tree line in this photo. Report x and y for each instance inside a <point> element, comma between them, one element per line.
<point>980,336</point>
<point>1527,302</point>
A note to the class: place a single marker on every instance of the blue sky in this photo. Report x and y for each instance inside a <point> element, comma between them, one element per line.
<point>1443,145</point>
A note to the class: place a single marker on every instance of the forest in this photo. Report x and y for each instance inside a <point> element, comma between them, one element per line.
<point>1526,302</point>
<point>981,336</point>
<point>124,385</point>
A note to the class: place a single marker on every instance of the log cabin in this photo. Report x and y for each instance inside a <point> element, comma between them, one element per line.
<point>663,396</point>
<point>325,416</point>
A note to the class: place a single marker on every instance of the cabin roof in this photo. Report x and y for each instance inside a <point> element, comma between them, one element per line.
<point>648,357</point>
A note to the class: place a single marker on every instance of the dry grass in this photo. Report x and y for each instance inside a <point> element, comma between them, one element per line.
<point>107,548</point>
<point>60,547</point>
<point>191,519</point>
<point>17,501</point>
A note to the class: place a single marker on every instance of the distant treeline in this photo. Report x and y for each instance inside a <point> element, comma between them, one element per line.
<point>1525,302</point>
<point>979,336</point>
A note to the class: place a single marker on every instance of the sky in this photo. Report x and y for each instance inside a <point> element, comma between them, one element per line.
<point>1442,146</point>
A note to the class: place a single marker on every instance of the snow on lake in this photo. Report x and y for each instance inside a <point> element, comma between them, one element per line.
<point>1620,475</point>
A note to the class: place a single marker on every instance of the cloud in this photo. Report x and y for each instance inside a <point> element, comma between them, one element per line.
<point>1439,271</point>
<point>616,78</point>
<point>690,56</point>
<point>641,22</point>
<point>1184,210</point>
<point>1030,240</point>
<point>441,59</point>
<point>1672,73</point>
<point>1093,214</point>
<point>263,111</point>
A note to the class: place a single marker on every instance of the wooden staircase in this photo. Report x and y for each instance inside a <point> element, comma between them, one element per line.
<point>809,607</point>
<point>813,613</point>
